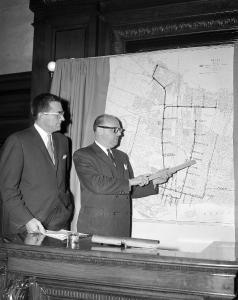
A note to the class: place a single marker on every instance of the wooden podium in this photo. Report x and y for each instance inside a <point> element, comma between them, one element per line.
<point>84,270</point>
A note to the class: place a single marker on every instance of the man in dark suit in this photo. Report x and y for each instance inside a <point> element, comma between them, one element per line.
<point>34,166</point>
<point>107,182</point>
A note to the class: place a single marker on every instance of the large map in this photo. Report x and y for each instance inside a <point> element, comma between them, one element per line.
<point>177,105</point>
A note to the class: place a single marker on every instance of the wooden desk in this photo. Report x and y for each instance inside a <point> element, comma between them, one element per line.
<point>92,271</point>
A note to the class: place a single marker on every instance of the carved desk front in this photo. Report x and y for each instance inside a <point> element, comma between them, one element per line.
<point>62,270</point>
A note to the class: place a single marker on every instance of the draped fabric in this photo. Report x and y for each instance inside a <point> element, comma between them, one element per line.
<point>84,83</point>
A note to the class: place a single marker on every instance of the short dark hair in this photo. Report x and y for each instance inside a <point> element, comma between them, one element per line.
<point>101,119</point>
<point>98,121</point>
<point>42,102</point>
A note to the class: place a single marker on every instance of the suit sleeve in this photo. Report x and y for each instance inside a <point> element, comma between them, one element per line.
<point>141,191</point>
<point>94,180</point>
<point>11,165</point>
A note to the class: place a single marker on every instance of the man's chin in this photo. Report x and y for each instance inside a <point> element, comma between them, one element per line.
<point>115,145</point>
<point>57,129</point>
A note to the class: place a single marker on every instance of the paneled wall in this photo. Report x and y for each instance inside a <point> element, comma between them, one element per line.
<point>82,28</point>
<point>63,29</point>
<point>14,103</point>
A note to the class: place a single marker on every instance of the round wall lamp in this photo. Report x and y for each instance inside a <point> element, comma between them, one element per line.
<point>51,67</point>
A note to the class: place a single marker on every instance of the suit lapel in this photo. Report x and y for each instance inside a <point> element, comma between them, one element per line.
<point>119,169</point>
<point>119,162</point>
<point>102,155</point>
<point>39,142</point>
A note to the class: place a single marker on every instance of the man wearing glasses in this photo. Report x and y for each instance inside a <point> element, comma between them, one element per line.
<point>107,182</point>
<point>34,166</point>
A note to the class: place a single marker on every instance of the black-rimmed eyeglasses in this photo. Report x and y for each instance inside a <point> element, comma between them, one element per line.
<point>115,129</point>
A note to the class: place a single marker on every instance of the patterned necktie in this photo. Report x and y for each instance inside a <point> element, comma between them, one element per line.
<point>111,157</point>
<point>50,148</point>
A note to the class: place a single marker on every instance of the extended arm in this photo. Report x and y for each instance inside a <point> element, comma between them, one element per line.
<point>141,190</point>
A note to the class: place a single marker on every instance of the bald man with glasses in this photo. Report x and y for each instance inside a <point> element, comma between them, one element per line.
<point>107,182</point>
<point>34,166</point>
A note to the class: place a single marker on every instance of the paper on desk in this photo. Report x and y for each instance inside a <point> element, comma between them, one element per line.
<point>60,234</point>
<point>63,234</point>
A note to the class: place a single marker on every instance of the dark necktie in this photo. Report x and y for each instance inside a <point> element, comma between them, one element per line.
<point>50,148</point>
<point>111,157</point>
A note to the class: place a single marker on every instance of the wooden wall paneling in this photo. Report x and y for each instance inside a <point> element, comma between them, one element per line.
<point>40,59</point>
<point>158,11</point>
<point>114,27</point>
<point>104,32</point>
<point>171,26</point>
<point>14,103</point>
<point>69,43</point>
<point>74,39</point>
<point>61,32</point>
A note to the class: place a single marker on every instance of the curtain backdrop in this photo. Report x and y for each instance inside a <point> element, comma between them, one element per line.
<point>84,83</point>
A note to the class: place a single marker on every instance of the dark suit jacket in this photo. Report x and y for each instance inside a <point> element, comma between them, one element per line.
<point>105,196</point>
<point>31,185</point>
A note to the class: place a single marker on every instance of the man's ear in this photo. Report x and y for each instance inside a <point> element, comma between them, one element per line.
<point>39,115</point>
<point>99,131</point>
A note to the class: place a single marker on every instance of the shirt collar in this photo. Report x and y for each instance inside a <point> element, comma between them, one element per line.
<point>104,149</point>
<point>44,135</point>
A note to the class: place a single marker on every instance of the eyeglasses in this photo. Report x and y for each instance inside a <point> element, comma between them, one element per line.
<point>59,114</point>
<point>115,129</point>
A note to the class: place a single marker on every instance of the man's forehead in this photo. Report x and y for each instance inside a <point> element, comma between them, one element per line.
<point>55,105</point>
